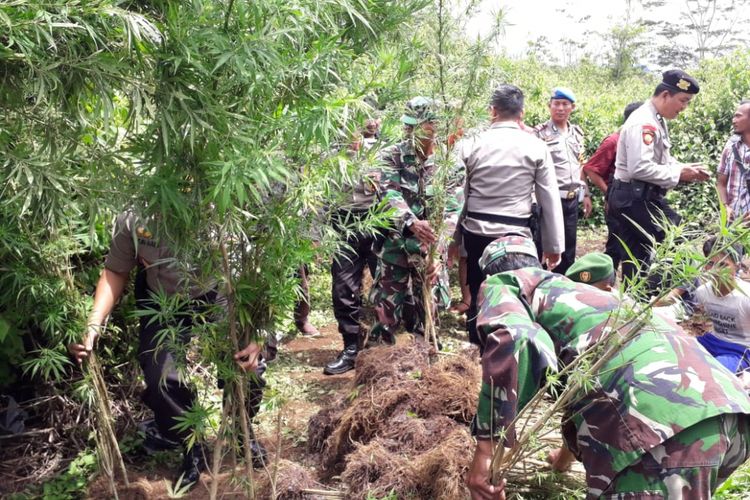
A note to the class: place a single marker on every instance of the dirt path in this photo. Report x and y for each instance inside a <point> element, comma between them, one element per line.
<point>299,389</point>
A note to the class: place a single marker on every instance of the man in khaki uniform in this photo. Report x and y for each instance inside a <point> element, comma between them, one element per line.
<point>167,393</point>
<point>565,143</point>
<point>644,169</point>
<point>505,165</point>
<point>350,261</point>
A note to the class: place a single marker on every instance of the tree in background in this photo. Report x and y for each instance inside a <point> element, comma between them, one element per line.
<point>625,41</point>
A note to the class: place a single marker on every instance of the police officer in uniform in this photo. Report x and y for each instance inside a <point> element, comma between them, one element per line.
<point>565,143</point>
<point>645,170</point>
<point>349,263</point>
<point>167,394</point>
<point>505,166</point>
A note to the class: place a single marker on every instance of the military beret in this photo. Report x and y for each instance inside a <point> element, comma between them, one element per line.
<point>591,268</point>
<point>563,93</point>
<point>418,110</point>
<point>677,79</point>
<point>512,243</point>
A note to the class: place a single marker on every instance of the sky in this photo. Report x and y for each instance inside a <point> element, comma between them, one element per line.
<point>529,19</point>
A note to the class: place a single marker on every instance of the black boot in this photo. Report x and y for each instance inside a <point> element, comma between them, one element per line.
<point>343,363</point>
<point>258,452</point>
<point>260,456</point>
<point>193,463</point>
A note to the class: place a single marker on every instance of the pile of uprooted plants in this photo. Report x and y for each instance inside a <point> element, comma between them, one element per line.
<point>404,428</point>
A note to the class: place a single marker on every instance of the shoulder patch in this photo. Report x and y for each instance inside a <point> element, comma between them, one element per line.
<point>648,133</point>
<point>541,131</point>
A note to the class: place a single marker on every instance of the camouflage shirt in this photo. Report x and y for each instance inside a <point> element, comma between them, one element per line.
<point>660,383</point>
<point>407,187</point>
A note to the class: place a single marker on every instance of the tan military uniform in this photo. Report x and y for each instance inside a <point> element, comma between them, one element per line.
<point>133,243</point>
<point>643,150</point>
<point>504,166</point>
<point>566,150</point>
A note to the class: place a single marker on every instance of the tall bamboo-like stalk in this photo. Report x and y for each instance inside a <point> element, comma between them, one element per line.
<point>442,182</point>
<point>108,449</point>
<point>236,389</point>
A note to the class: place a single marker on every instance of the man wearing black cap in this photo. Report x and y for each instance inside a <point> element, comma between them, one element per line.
<point>565,143</point>
<point>644,169</point>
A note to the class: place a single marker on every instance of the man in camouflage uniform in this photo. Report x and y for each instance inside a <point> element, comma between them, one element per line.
<point>407,187</point>
<point>663,418</point>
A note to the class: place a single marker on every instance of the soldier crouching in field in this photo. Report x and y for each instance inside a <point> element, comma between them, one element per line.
<point>663,420</point>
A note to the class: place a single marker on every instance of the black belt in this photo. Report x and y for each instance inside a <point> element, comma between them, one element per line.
<point>502,219</point>
<point>640,189</point>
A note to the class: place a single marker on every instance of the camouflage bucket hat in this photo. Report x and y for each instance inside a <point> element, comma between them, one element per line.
<point>418,110</point>
<point>513,243</point>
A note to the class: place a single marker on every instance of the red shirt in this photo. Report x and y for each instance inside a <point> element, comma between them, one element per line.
<point>602,162</point>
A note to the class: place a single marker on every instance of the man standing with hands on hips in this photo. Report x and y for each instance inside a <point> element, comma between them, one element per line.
<point>645,170</point>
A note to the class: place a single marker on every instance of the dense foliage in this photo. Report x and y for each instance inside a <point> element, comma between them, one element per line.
<point>220,121</point>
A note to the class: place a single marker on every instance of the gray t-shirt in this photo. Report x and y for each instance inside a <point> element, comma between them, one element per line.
<point>730,314</point>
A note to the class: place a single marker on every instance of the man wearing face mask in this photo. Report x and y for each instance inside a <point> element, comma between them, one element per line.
<point>407,186</point>
<point>645,170</point>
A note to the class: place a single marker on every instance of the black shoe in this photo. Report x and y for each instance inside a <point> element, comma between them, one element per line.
<point>260,456</point>
<point>193,463</point>
<point>153,441</point>
<point>258,452</point>
<point>343,363</point>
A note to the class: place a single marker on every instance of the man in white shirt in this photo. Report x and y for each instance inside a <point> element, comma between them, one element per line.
<point>726,300</point>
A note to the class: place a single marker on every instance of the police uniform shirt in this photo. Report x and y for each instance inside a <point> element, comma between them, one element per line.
<point>504,167</point>
<point>365,190</point>
<point>133,244</point>
<point>643,150</point>
<point>566,149</point>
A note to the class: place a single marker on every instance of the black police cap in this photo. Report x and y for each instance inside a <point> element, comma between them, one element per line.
<point>679,80</point>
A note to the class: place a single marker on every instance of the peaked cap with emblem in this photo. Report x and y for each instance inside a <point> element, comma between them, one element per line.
<point>677,79</point>
<point>504,245</point>
<point>591,268</point>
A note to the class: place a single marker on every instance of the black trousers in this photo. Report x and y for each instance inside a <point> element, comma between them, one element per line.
<point>613,247</point>
<point>570,221</point>
<point>347,269</point>
<point>642,213</point>
<point>474,244</point>
<point>166,393</point>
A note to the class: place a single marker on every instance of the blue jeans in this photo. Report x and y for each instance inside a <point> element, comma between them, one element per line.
<point>735,357</point>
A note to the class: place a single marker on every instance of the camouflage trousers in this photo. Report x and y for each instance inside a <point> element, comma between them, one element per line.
<point>398,289</point>
<point>688,466</point>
